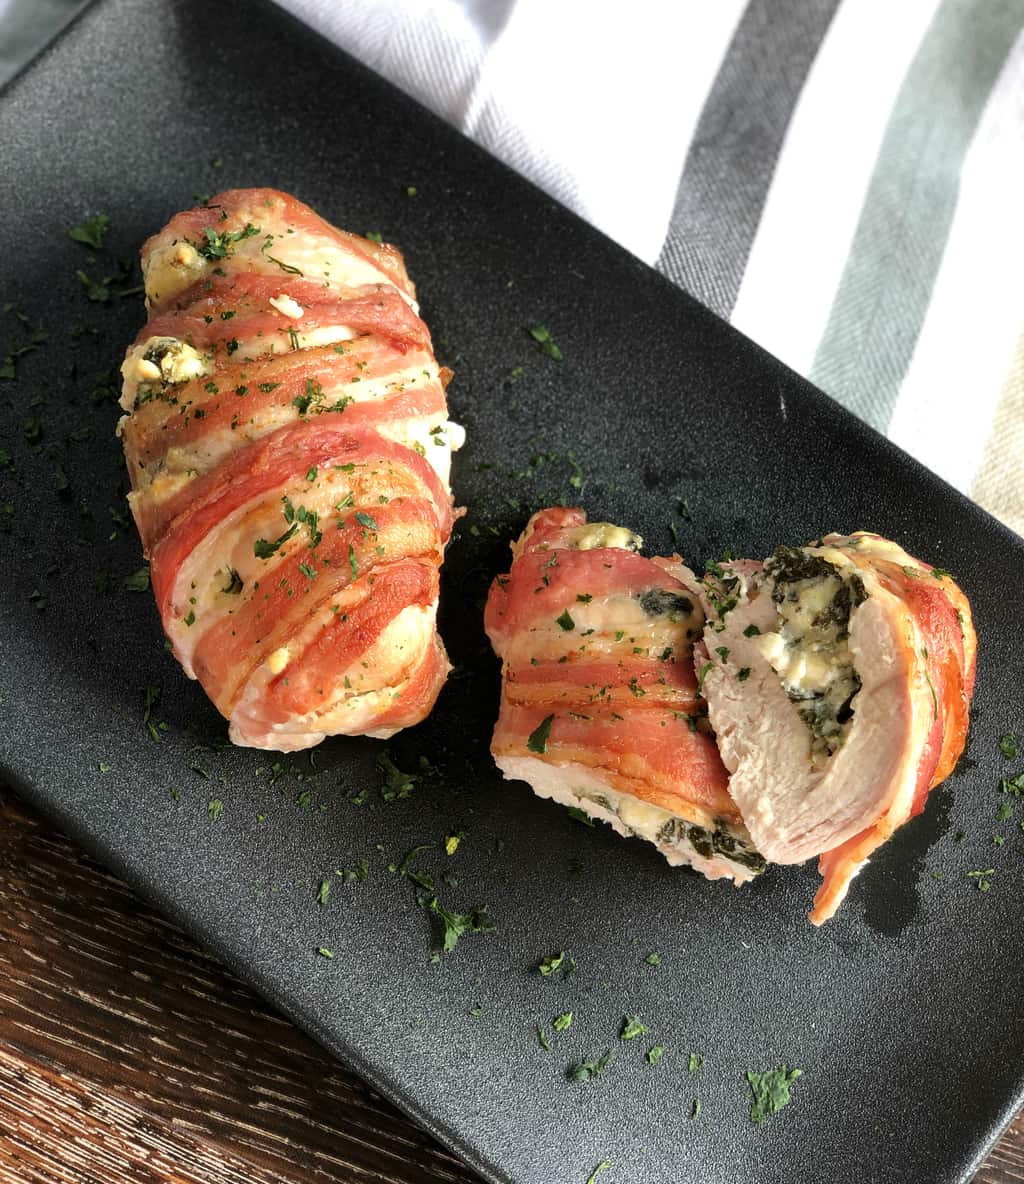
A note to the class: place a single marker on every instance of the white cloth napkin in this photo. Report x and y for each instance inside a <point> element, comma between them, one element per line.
<point>843,179</point>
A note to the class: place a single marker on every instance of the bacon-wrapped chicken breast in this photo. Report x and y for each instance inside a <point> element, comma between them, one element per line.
<point>838,678</point>
<point>288,444</point>
<point>600,708</point>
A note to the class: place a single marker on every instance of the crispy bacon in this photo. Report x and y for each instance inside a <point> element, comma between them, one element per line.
<point>288,447</point>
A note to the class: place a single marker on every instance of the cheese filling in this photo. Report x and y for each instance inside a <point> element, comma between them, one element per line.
<point>719,849</point>
<point>810,651</point>
<point>595,535</point>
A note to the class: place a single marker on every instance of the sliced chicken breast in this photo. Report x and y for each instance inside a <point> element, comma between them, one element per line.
<point>600,709</point>
<point>838,678</point>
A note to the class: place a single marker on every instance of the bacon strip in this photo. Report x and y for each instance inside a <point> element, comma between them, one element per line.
<point>288,446</point>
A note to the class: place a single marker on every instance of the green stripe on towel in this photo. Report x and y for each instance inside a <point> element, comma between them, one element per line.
<point>886,284</point>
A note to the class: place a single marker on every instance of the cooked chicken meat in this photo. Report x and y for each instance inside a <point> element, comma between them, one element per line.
<point>838,678</point>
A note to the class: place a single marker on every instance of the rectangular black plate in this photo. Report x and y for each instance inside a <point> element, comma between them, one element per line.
<point>904,1012</point>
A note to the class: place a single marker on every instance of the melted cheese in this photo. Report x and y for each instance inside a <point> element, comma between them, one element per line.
<point>603,534</point>
<point>287,307</point>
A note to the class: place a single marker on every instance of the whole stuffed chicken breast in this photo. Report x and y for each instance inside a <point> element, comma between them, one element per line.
<point>600,708</point>
<point>838,678</point>
<point>288,444</point>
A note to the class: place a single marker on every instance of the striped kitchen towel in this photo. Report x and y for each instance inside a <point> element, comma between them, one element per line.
<point>842,179</point>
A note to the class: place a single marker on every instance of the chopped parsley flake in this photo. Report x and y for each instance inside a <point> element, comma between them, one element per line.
<point>588,1070</point>
<point>632,1027</point>
<point>538,738</point>
<point>1013,785</point>
<point>152,698</point>
<point>565,621</point>
<point>751,631</point>
<point>314,393</point>
<point>703,674</point>
<point>374,236</point>
<point>350,874</point>
<point>324,952</point>
<point>308,518</point>
<point>542,1037</point>
<point>222,246</point>
<point>311,474</point>
<point>771,1091</point>
<point>138,581</point>
<point>547,966</point>
<point>214,809</point>
<point>602,1166</point>
<point>456,925</point>
<point>91,232</point>
<point>655,1054</point>
<point>743,673</point>
<point>264,548</point>
<point>235,583</point>
<point>653,959</point>
<point>353,561</point>
<point>1009,746</point>
<point>579,815</point>
<point>280,263</point>
<point>323,892</point>
<point>366,520</point>
<point>695,1062</point>
<point>542,335</point>
<point>397,785</point>
<point>563,1021</point>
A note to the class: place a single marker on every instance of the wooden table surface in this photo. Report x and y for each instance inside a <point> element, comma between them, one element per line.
<point>127,1054</point>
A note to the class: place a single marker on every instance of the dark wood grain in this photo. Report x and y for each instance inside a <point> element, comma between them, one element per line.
<point>128,1054</point>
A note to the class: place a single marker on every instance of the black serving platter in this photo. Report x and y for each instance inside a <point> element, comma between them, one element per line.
<point>903,1012</point>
